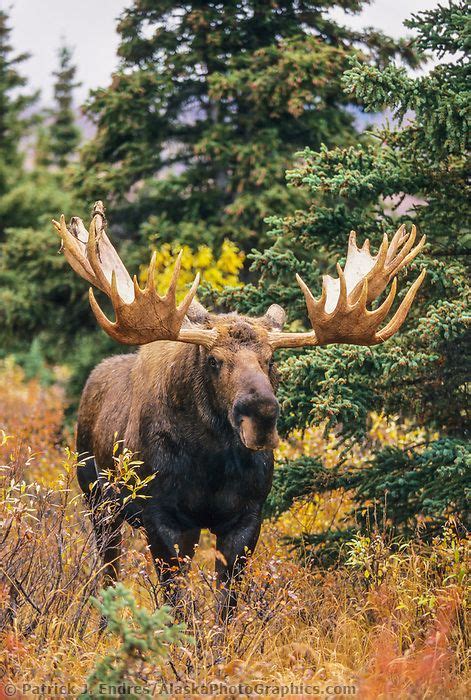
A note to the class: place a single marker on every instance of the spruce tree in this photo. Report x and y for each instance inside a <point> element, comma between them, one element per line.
<point>42,308</point>
<point>14,102</point>
<point>64,133</point>
<point>207,107</point>
<point>414,170</point>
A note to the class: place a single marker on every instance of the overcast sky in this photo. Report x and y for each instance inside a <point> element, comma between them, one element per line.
<point>89,26</point>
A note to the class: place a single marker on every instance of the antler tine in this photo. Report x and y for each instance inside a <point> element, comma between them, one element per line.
<point>313,306</point>
<point>141,315</point>
<point>92,254</point>
<point>379,314</point>
<point>381,257</point>
<point>397,240</point>
<point>342,303</point>
<point>363,298</point>
<point>378,266</point>
<point>150,284</point>
<point>114,294</point>
<point>397,260</point>
<point>388,261</point>
<point>401,314</point>
<point>341,315</point>
<point>407,241</point>
<point>405,257</point>
<point>172,288</point>
<point>108,326</point>
<point>137,289</point>
<point>74,251</point>
<point>186,303</point>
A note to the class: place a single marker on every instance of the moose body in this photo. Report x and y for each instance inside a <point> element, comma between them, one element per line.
<point>197,403</point>
<point>179,408</point>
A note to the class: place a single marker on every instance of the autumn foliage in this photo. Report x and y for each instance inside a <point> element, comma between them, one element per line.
<point>358,583</point>
<point>387,619</point>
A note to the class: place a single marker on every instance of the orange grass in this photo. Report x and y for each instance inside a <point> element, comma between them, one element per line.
<point>398,632</point>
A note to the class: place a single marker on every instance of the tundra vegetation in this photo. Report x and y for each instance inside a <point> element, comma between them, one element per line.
<point>360,573</point>
<point>390,619</point>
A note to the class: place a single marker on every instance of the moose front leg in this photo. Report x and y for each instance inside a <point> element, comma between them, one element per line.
<point>172,548</point>
<point>235,544</point>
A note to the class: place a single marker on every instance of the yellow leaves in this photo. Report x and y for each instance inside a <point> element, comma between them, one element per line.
<point>4,438</point>
<point>203,258</point>
<point>387,430</point>
<point>125,476</point>
<point>218,271</point>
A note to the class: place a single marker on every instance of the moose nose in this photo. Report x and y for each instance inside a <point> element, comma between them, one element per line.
<point>254,405</point>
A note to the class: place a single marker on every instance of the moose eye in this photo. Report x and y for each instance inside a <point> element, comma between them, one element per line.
<point>213,362</point>
<point>271,363</point>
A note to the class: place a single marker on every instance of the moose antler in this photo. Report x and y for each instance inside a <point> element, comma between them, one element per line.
<point>341,314</point>
<point>142,316</point>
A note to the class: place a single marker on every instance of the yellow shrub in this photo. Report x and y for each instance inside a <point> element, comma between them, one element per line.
<point>331,508</point>
<point>218,272</point>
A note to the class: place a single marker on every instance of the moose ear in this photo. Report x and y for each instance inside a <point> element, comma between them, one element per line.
<point>197,313</point>
<point>276,316</point>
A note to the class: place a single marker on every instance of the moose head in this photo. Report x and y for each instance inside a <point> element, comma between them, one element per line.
<point>235,352</point>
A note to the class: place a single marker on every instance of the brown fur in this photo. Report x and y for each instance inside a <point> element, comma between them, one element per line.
<point>164,373</point>
<point>203,423</point>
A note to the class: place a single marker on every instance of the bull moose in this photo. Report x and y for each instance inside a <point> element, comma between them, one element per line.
<point>197,401</point>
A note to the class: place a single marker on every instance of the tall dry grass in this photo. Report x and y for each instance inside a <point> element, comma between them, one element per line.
<point>389,623</point>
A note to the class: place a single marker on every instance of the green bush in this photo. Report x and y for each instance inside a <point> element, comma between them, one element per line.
<point>143,642</point>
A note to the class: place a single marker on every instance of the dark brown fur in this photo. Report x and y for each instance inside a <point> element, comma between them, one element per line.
<point>203,422</point>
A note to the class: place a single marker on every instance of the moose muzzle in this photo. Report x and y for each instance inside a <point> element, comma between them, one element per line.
<point>255,419</point>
